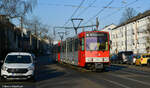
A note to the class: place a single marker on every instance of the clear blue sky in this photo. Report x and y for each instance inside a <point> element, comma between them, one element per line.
<point>57,12</point>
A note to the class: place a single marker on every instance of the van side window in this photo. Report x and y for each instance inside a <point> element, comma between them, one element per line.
<point>138,57</point>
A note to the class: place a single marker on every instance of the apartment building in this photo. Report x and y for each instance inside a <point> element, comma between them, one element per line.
<point>109,28</point>
<point>133,35</point>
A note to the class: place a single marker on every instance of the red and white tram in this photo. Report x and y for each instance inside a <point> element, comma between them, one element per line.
<point>88,49</point>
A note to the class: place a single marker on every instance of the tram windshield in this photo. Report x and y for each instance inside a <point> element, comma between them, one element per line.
<point>96,42</point>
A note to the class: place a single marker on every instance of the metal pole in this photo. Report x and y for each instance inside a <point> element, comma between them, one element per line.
<point>76,28</point>
<point>66,50</point>
<point>21,20</point>
<point>126,38</point>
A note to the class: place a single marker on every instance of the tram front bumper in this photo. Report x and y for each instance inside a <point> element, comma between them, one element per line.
<point>97,59</point>
<point>99,65</point>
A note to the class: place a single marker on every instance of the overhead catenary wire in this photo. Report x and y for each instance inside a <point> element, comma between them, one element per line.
<point>74,12</point>
<point>85,9</point>
<point>99,12</point>
<point>66,5</point>
<point>111,14</point>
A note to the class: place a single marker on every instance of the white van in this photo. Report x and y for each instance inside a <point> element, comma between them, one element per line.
<point>18,65</point>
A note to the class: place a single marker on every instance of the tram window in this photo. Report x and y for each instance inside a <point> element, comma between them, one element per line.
<point>64,47</point>
<point>67,46</point>
<point>58,49</point>
<point>70,46</point>
<point>76,44</point>
<point>73,45</point>
<point>82,44</point>
<point>79,44</point>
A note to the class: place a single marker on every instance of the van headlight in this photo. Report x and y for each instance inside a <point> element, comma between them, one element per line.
<point>4,68</point>
<point>31,68</point>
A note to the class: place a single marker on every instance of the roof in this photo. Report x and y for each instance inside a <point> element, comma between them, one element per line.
<point>19,53</point>
<point>139,16</point>
<point>109,25</point>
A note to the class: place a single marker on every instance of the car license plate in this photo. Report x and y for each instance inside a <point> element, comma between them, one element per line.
<point>15,74</point>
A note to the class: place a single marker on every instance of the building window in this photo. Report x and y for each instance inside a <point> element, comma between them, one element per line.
<point>109,28</point>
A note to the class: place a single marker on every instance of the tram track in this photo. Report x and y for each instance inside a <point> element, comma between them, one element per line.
<point>116,76</point>
<point>135,70</point>
<point>121,79</point>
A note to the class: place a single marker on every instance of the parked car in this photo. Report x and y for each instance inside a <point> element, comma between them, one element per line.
<point>18,65</point>
<point>148,62</point>
<point>142,59</point>
<point>131,59</point>
<point>123,56</point>
<point>1,61</point>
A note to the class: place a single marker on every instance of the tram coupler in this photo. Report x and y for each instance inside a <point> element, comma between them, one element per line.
<point>99,66</point>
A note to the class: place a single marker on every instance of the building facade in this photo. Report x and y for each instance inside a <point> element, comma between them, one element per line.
<point>13,39</point>
<point>109,29</point>
<point>133,35</point>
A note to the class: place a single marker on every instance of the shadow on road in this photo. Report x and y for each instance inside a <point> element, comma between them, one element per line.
<point>44,70</point>
<point>115,68</point>
<point>45,73</point>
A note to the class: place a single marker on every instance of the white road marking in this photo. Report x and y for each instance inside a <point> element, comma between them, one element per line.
<point>116,83</point>
<point>145,83</point>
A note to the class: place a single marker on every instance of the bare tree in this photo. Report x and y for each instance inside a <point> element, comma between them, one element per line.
<point>16,8</point>
<point>33,24</point>
<point>128,14</point>
<point>36,26</point>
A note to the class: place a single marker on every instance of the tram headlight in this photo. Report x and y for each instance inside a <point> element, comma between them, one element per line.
<point>4,68</point>
<point>89,59</point>
<point>106,59</point>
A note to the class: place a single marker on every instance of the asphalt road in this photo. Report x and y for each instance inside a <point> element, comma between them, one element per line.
<point>52,75</point>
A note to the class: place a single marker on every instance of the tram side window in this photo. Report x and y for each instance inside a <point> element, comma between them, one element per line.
<point>70,46</point>
<point>61,49</point>
<point>82,43</point>
<point>58,49</point>
<point>76,45</point>
<point>64,47</point>
<point>73,44</point>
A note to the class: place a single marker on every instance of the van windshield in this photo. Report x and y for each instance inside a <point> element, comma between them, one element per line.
<point>18,59</point>
<point>146,56</point>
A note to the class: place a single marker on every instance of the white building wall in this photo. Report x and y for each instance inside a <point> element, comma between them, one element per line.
<point>136,36</point>
<point>109,29</point>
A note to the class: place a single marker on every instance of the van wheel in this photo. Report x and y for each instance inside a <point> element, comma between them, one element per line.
<point>141,65</point>
<point>32,79</point>
<point>2,79</point>
<point>121,62</point>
